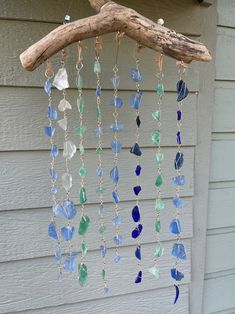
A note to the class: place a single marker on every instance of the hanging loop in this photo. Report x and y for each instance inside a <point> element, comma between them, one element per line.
<point>49,72</point>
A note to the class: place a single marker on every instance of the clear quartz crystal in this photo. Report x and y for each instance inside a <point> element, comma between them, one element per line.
<point>69,149</point>
<point>61,79</point>
<point>63,123</point>
<point>67,181</point>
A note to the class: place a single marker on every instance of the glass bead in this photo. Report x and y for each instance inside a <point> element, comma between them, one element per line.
<point>136,213</point>
<point>97,67</point>
<point>177,275</point>
<point>179,115</point>
<point>155,271</point>
<point>48,87</point>
<point>138,252</point>
<point>117,126</point>
<point>159,181</point>
<point>80,104</point>
<point>100,171</point>
<point>177,202</point>
<point>80,130</point>
<point>69,149</point>
<point>159,158</point>
<point>82,196</point>
<point>159,250</point>
<point>158,225</point>
<point>117,239</point>
<point>84,225</point>
<point>70,262</point>
<point>138,121</point>
<point>178,138</point>
<point>82,172</point>
<point>178,251</point>
<point>116,221</point>
<point>179,180</point>
<point>138,170</point>
<point>103,250</point>
<point>82,274</point>
<point>66,210</point>
<point>160,89</point>
<point>137,231</point>
<point>136,150</point>
<point>67,181</point>
<point>61,79</point>
<point>84,248</point>
<point>156,137</point>
<point>79,81</point>
<point>139,277</point>
<point>52,231</point>
<point>182,90</point>
<point>52,113</point>
<point>135,100</point>
<point>137,189</point>
<point>63,123</point>
<point>156,115</point>
<point>159,205</point>
<point>114,174</point>
<point>98,131</point>
<point>116,81</point>
<point>175,227</point>
<point>98,91</point>
<point>67,233</point>
<point>136,76</point>
<point>116,101</point>
<point>116,146</point>
<point>54,151</point>
<point>64,105</point>
<point>117,258</point>
<point>53,174</point>
<point>179,160</point>
<point>49,130</point>
<point>102,229</point>
<point>100,190</point>
<point>116,198</point>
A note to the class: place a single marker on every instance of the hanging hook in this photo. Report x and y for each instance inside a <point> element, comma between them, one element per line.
<point>159,62</point>
<point>49,72</point>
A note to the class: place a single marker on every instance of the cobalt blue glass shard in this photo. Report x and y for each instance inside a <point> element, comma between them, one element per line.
<point>116,101</point>
<point>100,171</point>
<point>70,262</point>
<point>138,252</point>
<point>116,221</point>
<point>182,90</point>
<point>103,250</point>
<point>178,251</point>
<point>67,233</point>
<point>179,160</point>
<point>175,227</point>
<point>177,293</point>
<point>135,100</point>
<point>179,115</point>
<point>117,239</point>
<point>49,130</point>
<point>116,81</point>
<point>98,91</point>
<point>53,174</point>
<point>137,189</point>
<point>177,202</point>
<point>178,138</point>
<point>117,258</point>
<point>65,209</point>
<point>136,213</point>
<point>51,113</point>
<point>177,275</point>
<point>139,277</point>
<point>47,87</point>
<point>138,121</point>
<point>179,180</point>
<point>138,170</point>
<point>58,254</point>
<point>52,231</point>
<point>137,231</point>
<point>136,76</point>
<point>116,198</point>
<point>116,146</point>
<point>114,174</point>
<point>54,151</point>
<point>117,126</point>
<point>136,150</point>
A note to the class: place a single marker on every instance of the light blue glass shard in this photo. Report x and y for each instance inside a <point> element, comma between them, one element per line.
<point>118,239</point>
<point>101,209</point>
<point>98,131</point>
<point>136,76</point>
<point>114,174</point>
<point>135,100</point>
<point>179,180</point>
<point>66,210</point>
<point>116,102</point>
<point>116,221</point>
<point>49,130</point>
<point>117,127</point>
<point>116,81</point>
<point>106,290</point>
<point>47,87</point>
<point>178,251</point>
<point>103,250</point>
<point>53,174</point>
<point>175,227</point>
<point>177,201</point>
<point>54,151</point>
<point>97,67</point>
<point>116,198</point>
<point>67,233</point>
<point>100,171</point>
<point>54,190</point>
<point>70,262</point>
<point>51,113</point>
<point>52,231</point>
<point>116,146</point>
<point>117,258</point>
<point>58,254</point>
<point>98,91</point>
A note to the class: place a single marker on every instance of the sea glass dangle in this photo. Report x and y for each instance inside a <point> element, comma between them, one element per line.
<point>178,249</point>
<point>53,232</point>
<point>135,102</point>
<point>156,140</point>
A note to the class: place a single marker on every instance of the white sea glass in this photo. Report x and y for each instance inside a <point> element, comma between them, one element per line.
<point>64,105</point>
<point>61,79</point>
<point>69,149</point>
<point>63,123</point>
<point>67,181</point>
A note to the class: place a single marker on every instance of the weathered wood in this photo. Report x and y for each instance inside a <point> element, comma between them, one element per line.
<point>29,287</point>
<point>113,17</point>
<point>34,223</point>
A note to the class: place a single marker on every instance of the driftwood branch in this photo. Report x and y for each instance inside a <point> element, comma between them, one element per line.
<point>112,17</point>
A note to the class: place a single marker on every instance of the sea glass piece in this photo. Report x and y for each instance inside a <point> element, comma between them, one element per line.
<point>64,105</point>
<point>54,151</point>
<point>82,172</point>
<point>67,233</point>
<point>54,190</point>
<point>102,229</point>
<point>69,149</point>
<point>178,138</point>
<point>48,87</point>
<point>49,130</point>
<point>159,250</point>
<point>135,100</point>
<point>156,137</point>
<point>103,250</point>
<point>177,201</point>
<point>99,150</point>
<point>66,210</point>
<point>136,213</point>
<point>53,174</point>
<point>139,277</point>
<point>177,293</point>
<point>114,174</point>
<point>116,146</point>
<point>175,227</point>
<point>137,189</point>
<point>98,91</point>
<point>81,149</point>
<point>116,198</point>
<point>82,274</point>
<point>52,113</point>
<point>160,89</point>
<point>179,115</point>
<point>80,130</point>
<point>137,231</point>
<point>70,262</point>
<point>156,115</point>
<point>177,275</point>
<point>79,81</point>
<point>136,76</point>
<point>159,158</point>
<point>116,81</point>
<point>106,290</point>
<point>97,67</point>
<point>138,170</point>
<point>118,239</point>
<point>98,112</point>
<point>100,171</point>
<point>117,126</point>
<point>83,197</point>
<point>138,252</point>
<point>101,209</point>
<point>182,90</point>
<point>136,150</point>
<point>98,131</point>
<point>138,121</point>
<point>159,181</point>
<point>158,225</point>
<point>159,205</point>
<point>116,221</point>
<point>52,231</point>
<point>61,79</point>
<point>58,254</point>
<point>117,258</point>
<point>179,160</point>
<point>178,251</point>
<point>179,180</point>
<point>116,101</point>
<point>67,181</point>
<point>63,123</point>
<point>155,271</point>
<point>84,225</point>
<point>100,190</point>
<point>80,104</point>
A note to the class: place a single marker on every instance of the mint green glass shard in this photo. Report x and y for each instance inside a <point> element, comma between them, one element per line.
<point>103,274</point>
<point>156,115</point>
<point>80,104</point>
<point>159,181</point>
<point>155,137</point>
<point>81,149</point>
<point>97,67</point>
<point>159,158</point>
<point>159,250</point>
<point>158,225</point>
<point>84,248</point>
<point>82,274</point>
<point>82,172</point>
<point>160,89</point>
<point>84,225</point>
<point>79,81</point>
<point>98,112</point>
<point>99,150</point>
<point>80,130</point>
<point>102,229</point>
<point>159,205</point>
<point>100,190</point>
<point>83,197</point>
<point>155,271</point>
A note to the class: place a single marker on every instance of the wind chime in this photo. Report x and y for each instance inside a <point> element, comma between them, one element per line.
<point>61,226</point>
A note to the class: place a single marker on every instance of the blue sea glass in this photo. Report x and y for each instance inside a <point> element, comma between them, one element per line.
<point>117,127</point>
<point>135,100</point>
<point>177,202</point>
<point>138,252</point>
<point>116,81</point>
<point>51,113</point>
<point>182,90</point>
<point>49,130</point>
<point>100,171</point>
<point>137,189</point>
<point>138,121</point>
<point>139,277</point>
<point>66,210</point>
<point>116,102</point>
<point>117,239</point>
<point>54,190</point>
<point>178,138</point>
<point>106,290</point>
<point>116,198</point>
<point>54,151</point>
<point>53,174</point>
<point>48,87</point>
<point>179,180</point>
<point>52,231</point>
<point>101,209</point>
<point>117,258</point>
<point>138,170</point>
<point>70,262</point>
<point>136,76</point>
<point>103,250</point>
<point>116,221</point>
<point>67,233</point>
<point>136,150</point>
<point>137,231</point>
<point>175,227</point>
<point>179,115</point>
<point>177,275</point>
<point>114,174</point>
<point>136,213</point>
<point>116,146</point>
<point>98,91</point>
<point>179,160</point>
<point>98,131</point>
<point>178,251</point>
<point>58,254</point>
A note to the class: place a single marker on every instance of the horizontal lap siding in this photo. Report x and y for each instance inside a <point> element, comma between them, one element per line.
<point>26,264</point>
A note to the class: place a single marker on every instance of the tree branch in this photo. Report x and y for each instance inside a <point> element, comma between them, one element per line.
<point>113,17</point>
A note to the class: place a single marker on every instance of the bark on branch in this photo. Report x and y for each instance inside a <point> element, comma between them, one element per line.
<point>112,17</point>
